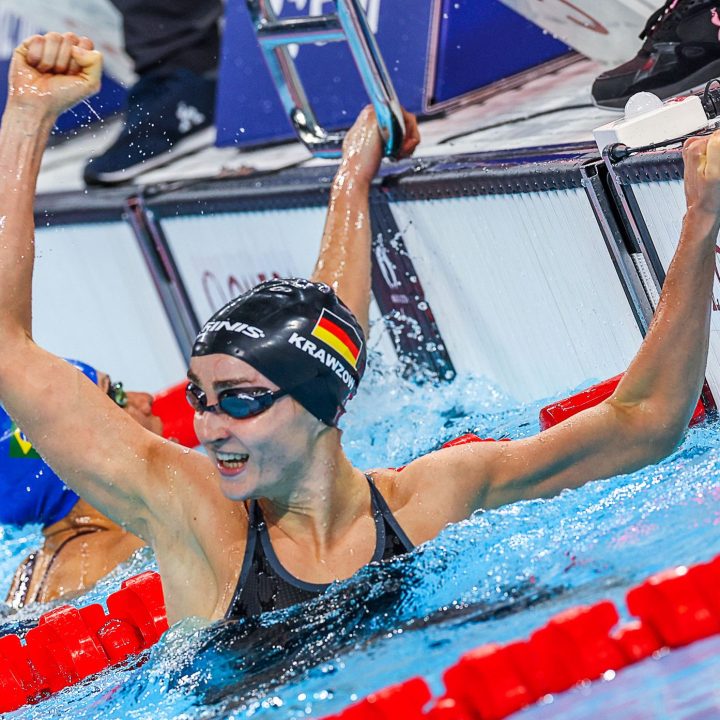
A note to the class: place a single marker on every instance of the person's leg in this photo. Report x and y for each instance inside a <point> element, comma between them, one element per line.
<point>171,109</point>
<point>171,35</point>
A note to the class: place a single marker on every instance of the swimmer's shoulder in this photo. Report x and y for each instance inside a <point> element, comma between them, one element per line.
<point>191,490</point>
<point>438,488</point>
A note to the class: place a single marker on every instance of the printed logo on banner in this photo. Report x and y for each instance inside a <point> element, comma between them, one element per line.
<point>585,21</point>
<point>600,30</point>
<point>321,7</point>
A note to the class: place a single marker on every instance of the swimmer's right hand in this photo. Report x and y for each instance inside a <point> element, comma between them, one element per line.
<point>51,73</point>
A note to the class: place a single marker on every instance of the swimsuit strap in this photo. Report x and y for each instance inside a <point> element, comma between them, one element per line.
<point>397,542</point>
<point>18,595</point>
<point>265,584</point>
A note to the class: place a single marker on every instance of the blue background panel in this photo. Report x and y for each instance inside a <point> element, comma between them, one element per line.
<point>479,42</point>
<point>249,110</point>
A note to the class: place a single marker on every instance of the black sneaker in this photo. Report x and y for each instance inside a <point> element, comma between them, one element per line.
<point>681,51</point>
<point>169,115</point>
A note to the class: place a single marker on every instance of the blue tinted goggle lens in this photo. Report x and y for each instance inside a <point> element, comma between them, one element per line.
<point>242,406</point>
<point>238,403</point>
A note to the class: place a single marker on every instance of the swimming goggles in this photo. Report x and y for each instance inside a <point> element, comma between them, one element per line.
<point>116,392</point>
<point>238,403</point>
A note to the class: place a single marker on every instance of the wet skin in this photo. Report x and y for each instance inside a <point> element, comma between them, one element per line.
<point>85,545</point>
<point>139,405</point>
<point>191,509</point>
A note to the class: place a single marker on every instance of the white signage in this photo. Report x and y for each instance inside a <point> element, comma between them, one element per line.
<point>94,300</point>
<point>606,31</point>
<point>523,288</point>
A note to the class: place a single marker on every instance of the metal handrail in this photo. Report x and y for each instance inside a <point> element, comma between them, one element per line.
<point>348,24</point>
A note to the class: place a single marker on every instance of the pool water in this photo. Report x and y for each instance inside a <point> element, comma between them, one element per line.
<point>494,577</point>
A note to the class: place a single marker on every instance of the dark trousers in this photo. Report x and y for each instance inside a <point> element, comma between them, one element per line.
<point>171,34</point>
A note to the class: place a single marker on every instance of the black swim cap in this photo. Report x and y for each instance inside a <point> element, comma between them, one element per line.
<point>298,334</point>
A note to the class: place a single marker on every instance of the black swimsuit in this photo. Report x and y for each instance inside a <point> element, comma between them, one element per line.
<point>265,585</point>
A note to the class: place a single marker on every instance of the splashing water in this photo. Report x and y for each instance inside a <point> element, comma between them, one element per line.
<point>92,110</point>
<point>494,577</point>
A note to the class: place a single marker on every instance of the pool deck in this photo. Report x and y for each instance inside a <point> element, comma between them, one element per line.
<point>533,115</point>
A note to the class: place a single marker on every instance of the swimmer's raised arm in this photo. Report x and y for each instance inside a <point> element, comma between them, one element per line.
<point>344,261</point>
<point>89,442</point>
<point>646,417</point>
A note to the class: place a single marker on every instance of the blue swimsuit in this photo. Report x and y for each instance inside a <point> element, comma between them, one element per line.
<point>265,585</point>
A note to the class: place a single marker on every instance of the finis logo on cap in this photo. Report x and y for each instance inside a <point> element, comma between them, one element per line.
<point>339,335</point>
<point>238,327</point>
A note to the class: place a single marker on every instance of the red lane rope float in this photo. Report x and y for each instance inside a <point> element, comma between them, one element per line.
<point>672,609</point>
<point>176,414</point>
<point>563,409</point>
<point>69,644</point>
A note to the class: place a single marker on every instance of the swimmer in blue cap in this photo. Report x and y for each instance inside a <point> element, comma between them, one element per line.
<point>80,544</point>
<point>276,511</point>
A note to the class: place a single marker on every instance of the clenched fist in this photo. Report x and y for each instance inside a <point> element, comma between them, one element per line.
<point>701,156</point>
<point>51,73</point>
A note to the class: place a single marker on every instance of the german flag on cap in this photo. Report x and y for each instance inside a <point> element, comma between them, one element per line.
<point>339,335</point>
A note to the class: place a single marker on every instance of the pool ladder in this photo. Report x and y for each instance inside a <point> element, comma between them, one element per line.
<point>347,24</point>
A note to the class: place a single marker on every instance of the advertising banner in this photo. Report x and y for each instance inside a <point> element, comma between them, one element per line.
<point>239,250</point>
<point>94,300</point>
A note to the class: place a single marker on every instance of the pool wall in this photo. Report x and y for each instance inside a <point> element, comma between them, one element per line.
<point>537,269</point>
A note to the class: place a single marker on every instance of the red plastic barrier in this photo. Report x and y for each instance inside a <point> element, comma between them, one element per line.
<point>673,605</point>
<point>561,410</point>
<point>70,644</point>
<point>176,414</point>
<point>15,675</point>
<point>486,683</point>
<point>637,641</point>
<point>405,700</point>
<point>675,608</point>
<point>447,709</point>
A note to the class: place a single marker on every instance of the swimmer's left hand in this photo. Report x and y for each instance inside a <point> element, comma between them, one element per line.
<point>363,146</point>
<point>51,73</point>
